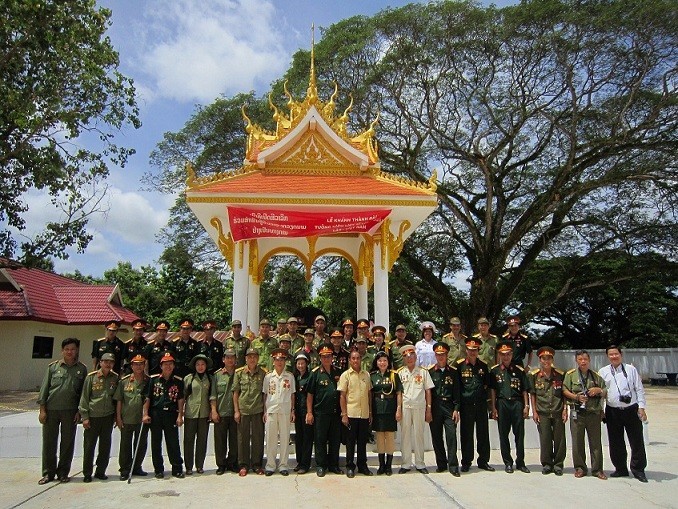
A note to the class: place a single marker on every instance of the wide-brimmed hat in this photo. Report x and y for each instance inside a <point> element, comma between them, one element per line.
<point>200,357</point>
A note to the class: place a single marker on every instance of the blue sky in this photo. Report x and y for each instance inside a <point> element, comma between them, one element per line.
<point>181,53</point>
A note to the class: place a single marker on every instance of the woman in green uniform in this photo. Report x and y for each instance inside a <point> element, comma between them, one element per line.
<point>303,437</point>
<point>197,410</point>
<point>387,401</point>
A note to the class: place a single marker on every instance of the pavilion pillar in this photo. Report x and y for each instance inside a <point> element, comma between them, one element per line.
<point>241,280</point>
<point>381,307</point>
<point>361,300</point>
<point>253,306</point>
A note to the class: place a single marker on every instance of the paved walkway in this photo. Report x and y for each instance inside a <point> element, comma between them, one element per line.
<point>477,489</point>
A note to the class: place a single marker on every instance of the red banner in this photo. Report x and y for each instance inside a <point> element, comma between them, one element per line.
<point>258,223</point>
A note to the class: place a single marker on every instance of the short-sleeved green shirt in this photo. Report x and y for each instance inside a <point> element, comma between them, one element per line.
<point>197,396</point>
<point>96,399</point>
<point>323,386</point>
<point>249,385</point>
<point>62,386</point>
<point>457,347</point>
<point>132,395</point>
<point>573,383</point>
<point>509,383</point>
<point>488,346</point>
<point>222,392</point>
<point>548,390</point>
<point>240,345</point>
<point>264,347</point>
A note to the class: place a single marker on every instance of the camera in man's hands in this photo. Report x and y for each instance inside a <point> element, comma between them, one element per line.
<point>625,399</point>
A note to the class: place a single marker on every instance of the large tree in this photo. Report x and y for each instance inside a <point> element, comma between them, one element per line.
<point>552,124</point>
<point>62,100</point>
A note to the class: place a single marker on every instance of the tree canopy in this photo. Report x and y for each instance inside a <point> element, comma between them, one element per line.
<point>552,124</point>
<point>62,100</point>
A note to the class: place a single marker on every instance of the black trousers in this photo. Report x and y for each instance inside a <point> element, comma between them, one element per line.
<point>130,434</point>
<point>327,436</point>
<point>511,418</point>
<point>100,430</point>
<point>226,443</point>
<point>474,414</point>
<point>164,422</point>
<point>356,438</point>
<point>618,420</point>
<point>442,422</point>
<point>303,441</point>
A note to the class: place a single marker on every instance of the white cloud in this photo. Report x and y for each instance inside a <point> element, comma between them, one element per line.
<point>199,50</point>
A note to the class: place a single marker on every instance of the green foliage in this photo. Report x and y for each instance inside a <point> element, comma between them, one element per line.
<point>59,90</point>
<point>284,289</point>
<point>607,298</point>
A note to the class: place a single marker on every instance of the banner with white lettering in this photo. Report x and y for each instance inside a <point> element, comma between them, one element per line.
<point>249,223</point>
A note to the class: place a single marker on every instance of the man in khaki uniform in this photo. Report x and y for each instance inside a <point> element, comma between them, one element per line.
<point>264,344</point>
<point>395,346</point>
<point>296,339</point>
<point>417,385</point>
<point>248,404</point>
<point>549,411</point>
<point>225,427</point>
<point>97,410</point>
<point>129,397</point>
<point>320,334</point>
<point>586,391</point>
<point>488,342</point>
<point>456,341</point>
<point>58,399</point>
<point>238,343</point>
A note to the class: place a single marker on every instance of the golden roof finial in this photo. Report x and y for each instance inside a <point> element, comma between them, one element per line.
<point>312,92</point>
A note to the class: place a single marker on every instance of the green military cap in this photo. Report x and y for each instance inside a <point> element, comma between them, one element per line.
<point>236,322</point>
<point>265,321</point>
<point>361,339</point>
<point>252,351</point>
<point>309,331</point>
<point>320,318</point>
<point>455,320</point>
<point>229,352</point>
<point>108,357</point>
<point>400,327</point>
<point>482,319</point>
<point>281,321</point>
<point>292,319</point>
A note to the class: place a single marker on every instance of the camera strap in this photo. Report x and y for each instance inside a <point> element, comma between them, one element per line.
<point>614,377</point>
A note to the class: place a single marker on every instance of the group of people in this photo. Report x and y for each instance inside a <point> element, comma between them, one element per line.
<point>347,386</point>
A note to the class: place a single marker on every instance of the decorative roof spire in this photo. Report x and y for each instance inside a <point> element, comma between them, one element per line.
<point>312,92</point>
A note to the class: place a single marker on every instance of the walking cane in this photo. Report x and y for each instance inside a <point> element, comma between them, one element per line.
<point>136,451</point>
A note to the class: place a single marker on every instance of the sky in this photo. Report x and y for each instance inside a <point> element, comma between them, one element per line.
<point>180,54</point>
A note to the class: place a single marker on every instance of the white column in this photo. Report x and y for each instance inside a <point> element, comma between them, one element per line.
<point>381,309</point>
<point>241,281</point>
<point>361,299</point>
<point>253,306</point>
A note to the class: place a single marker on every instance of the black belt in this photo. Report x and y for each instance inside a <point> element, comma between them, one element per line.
<point>440,398</point>
<point>386,396</point>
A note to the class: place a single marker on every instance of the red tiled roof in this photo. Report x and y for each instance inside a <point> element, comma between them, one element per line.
<point>311,184</point>
<point>49,297</point>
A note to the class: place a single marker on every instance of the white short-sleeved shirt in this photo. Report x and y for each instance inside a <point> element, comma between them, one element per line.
<point>278,390</point>
<point>425,354</point>
<point>415,384</point>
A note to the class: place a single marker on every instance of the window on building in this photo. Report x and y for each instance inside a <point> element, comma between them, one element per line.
<point>43,347</point>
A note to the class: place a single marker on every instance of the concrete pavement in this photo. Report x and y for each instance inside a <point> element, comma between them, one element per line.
<point>476,489</point>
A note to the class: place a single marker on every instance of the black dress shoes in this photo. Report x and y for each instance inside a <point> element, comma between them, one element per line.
<point>485,466</point>
<point>466,468</point>
<point>422,470</point>
<point>140,472</point>
<point>403,470</point>
<point>640,476</point>
<point>365,471</point>
<point>455,471</point>
<point>508,469</point>
<point>336,470</point>
<point>440,469</point>
<point>524,469</point>
<point>350,473</point>
<point>87,478</point>
<point>617,473</point>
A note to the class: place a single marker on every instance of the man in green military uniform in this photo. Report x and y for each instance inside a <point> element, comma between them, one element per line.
<point>296,339</point>
<point>320,334</point>
<point>157,349</point>
<point>281,328</point>
<point>445,399</point>
<point>134,346</point>
<point>339,353</point>
<point>322,410</point>
<point>510,406</point>
<point>549,411</point>
<point>285,343</point>
<point>97,410</point>
<point>348,328</point>
<point>522,345</point>
<point>488,342</point>
<point>586,391</point>
<point>366,357</point>
<point>474,380</point>
<point>222,415</point>
<point>309,350</point>
<point>264,344</point>
<point>456,341</point>
<point>248,403</point>
<point>210,347</point>
<point>185,348</point>
<point>110,343</point>
<point>163,410</point>
<point>395,346</point>
<point>58,399</point>
<point>239,343</point>
<point>129,397</point>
